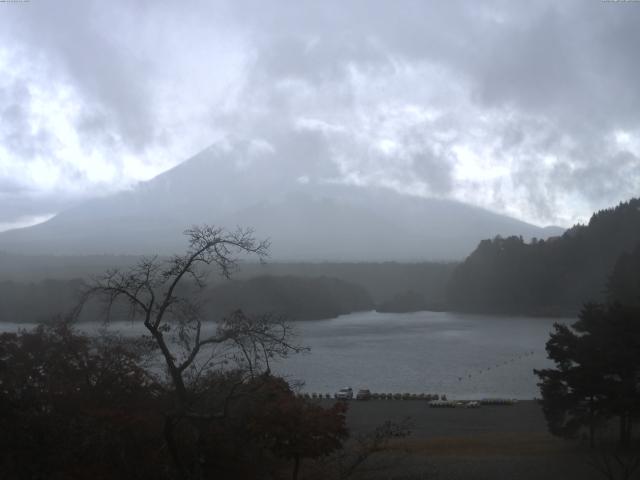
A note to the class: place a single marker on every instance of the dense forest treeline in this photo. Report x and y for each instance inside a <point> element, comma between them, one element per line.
<point>556,276</point>
<point>295,298</point>
<point>48,286</point>
<point>36,302</point>
<point>383,280</point>
<point>623,285</point>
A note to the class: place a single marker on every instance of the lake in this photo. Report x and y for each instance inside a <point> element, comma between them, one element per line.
<point>460,355</point>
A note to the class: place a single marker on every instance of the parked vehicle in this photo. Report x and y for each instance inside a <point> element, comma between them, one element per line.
<point>345,394</point>
<point>363,394</point>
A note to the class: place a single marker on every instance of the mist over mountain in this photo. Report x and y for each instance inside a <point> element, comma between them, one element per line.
<point>244,184</point>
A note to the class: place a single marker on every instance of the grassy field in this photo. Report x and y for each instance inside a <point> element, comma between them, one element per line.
<point>491,442</point>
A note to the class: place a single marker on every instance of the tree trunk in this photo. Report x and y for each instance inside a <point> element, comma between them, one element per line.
<point>592,421</point>
<point>625,430</point>
<point>296,467</point>
<point>199,460</point>
<point>180,388</point>
<point>171,443</point>
<point>621,431</point>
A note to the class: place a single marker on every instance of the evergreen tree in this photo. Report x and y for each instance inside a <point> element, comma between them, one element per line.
<point>597,371</point>
<point>553,276</point>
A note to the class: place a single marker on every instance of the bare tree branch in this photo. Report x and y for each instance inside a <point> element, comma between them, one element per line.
<point>153,290</point>
<point>163,294</point>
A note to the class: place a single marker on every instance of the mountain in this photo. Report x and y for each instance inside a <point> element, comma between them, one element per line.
<point>241,185</point>
<point>556,276</point>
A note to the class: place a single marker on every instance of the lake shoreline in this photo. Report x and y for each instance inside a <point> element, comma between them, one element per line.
<point>559,315</point>
<point>459,355</point>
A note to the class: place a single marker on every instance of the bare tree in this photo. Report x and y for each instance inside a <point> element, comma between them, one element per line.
<point>163,294</point>
<point>367,455</point>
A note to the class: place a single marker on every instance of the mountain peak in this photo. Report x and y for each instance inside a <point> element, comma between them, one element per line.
<point>240,182</point>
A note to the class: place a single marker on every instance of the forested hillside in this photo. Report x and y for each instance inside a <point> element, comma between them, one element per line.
<point>555,276</point>
<point>37,301</point>
<point>295,298</point>
<point>390,284</point>
<point>624,283</point>
<point>384,281</point>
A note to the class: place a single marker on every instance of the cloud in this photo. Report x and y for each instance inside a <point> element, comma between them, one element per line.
<point>531,110</point>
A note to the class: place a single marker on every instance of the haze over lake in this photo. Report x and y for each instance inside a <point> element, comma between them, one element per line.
<point>460,355</point>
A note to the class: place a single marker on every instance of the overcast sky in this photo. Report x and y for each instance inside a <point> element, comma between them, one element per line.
<point>526,108</point>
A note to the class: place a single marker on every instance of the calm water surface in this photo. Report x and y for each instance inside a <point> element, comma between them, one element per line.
<point>463,356</point>
<point>460,355</point>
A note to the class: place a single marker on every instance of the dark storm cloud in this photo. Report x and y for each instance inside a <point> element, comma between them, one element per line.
<point>566,69</point>
<point>571,61</point>
<point>528,108</point>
